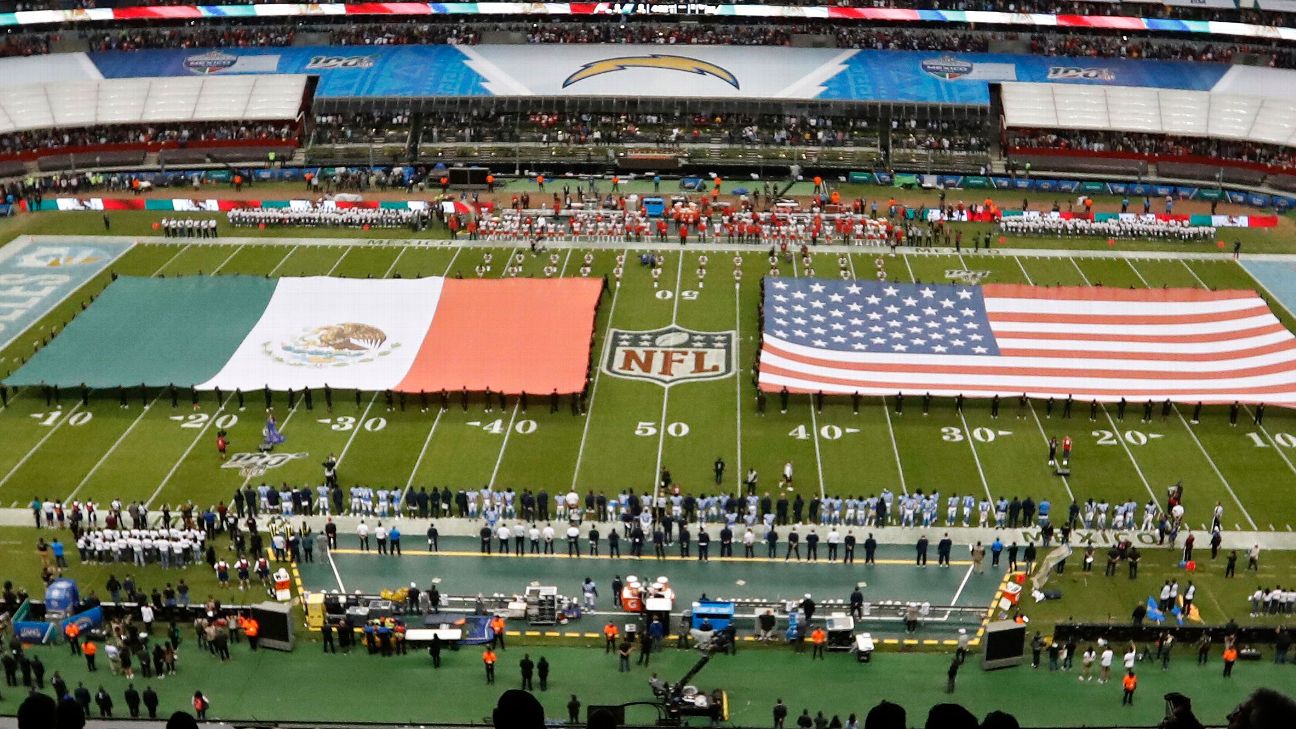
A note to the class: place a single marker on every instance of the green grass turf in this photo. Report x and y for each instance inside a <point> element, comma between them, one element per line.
<point>165,455</point>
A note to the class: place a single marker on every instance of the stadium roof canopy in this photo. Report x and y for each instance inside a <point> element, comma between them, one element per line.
<point>1152,111</point>
<point>151,101</point>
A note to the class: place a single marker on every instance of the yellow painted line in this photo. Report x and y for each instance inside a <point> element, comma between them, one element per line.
<point>890,641</point>
<point>589,635</point>
<point>949,642</point>
<point>531,633</point>
<point>513,633</point>
<point>931,642</point>
<point>552,634</point>
<point>738,560</point>
<point>910,642</point>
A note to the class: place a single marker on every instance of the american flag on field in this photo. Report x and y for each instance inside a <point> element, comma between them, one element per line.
<point>880,338</point>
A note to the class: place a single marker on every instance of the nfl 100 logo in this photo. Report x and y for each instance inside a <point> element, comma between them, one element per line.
<point>670,355</point>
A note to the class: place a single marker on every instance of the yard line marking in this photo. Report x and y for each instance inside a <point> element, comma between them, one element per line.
<point>40,443</point>
<point>1271,440</point>
<point>435,421</point>
<point>1079,271</point>
<point>282,261</point>
<point>1022,266</point>
<point>1194,274</point>
<point>1214,467</point>
<point>814,419</point>
<point>176,466</point>
<point>959,592</point>
<point>509,431</point>
<point>895,448</point>
<point>661,430</point>
<point>1130,263</point>
<point>566,258</point>
<point>336,575</point>
<point>975,456</point>
<point>905,257</point>
<point>738,397</point>
<point>229,258</point>
<point>339,261</point>
<point>396,260</point>
<point>426,442</point>
<point>1125,446</point>
<point>359,425</point>
<point>90,474</point>
<point>962,262</point>
<point>1040,425</point>
<point>589,408</point>
<point>171,260</point>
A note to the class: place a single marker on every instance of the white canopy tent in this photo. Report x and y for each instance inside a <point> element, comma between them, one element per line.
<point>1151,111</point>
<point>132,101</point>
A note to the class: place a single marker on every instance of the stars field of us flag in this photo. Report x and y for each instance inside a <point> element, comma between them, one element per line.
<point>880,338</point>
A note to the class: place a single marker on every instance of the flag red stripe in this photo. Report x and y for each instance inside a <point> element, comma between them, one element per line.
<point>1288,391</point>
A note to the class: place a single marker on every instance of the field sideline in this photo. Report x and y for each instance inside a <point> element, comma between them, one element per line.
<point>160,455</point>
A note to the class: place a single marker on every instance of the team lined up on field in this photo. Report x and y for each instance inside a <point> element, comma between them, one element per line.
<point>684,223</point>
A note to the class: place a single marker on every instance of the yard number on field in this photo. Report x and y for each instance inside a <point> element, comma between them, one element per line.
<point>199,420</point>
<point>827,432</point>
<point>666,295</point>
<point>675,430</point>
<point>1133,437</point>
<point>498,426</point>
<point>952,434</point>
<point>347,422</point>
<point>52,417</point>
<point>1286,440</point>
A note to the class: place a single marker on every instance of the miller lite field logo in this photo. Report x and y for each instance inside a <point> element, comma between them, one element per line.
<point>963,275</point>
<point>670,355</point>
<point>653,60</point>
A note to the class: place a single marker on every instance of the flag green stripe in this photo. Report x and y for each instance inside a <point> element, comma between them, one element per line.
<point>153,331</point>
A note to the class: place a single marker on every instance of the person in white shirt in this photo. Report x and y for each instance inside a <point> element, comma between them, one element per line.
<point>1106,663</point>
<point>1086,664</point>
<point>362,531</point>
<point>548,534</point>
<point>573,541</point>
<point>1130,656</point>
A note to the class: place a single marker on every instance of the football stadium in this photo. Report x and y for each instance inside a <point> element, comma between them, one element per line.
<point>820,364</point>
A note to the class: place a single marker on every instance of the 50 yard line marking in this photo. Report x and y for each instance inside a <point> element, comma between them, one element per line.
<point>661,429</point>
<point>598,369</point>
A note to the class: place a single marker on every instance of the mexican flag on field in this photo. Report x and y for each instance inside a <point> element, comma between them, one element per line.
<point>410,335</point>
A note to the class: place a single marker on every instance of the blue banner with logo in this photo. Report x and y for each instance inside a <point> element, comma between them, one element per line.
<point>668,71</point>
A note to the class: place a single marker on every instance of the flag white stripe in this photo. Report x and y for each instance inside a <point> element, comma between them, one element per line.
<point>1207,327</point>
<point>1129,378</point>
<point>996,304</point>
<point>1226,357</point>
<point>1084,345</point>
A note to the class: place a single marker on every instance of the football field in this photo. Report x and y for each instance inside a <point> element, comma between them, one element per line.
<point>152,452</point>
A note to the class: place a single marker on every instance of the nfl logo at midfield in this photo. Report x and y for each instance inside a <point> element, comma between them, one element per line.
<point>670,355</point>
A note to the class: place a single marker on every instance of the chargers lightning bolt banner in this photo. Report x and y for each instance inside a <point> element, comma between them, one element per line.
<point>409,335</point>
<point>878,338</point>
